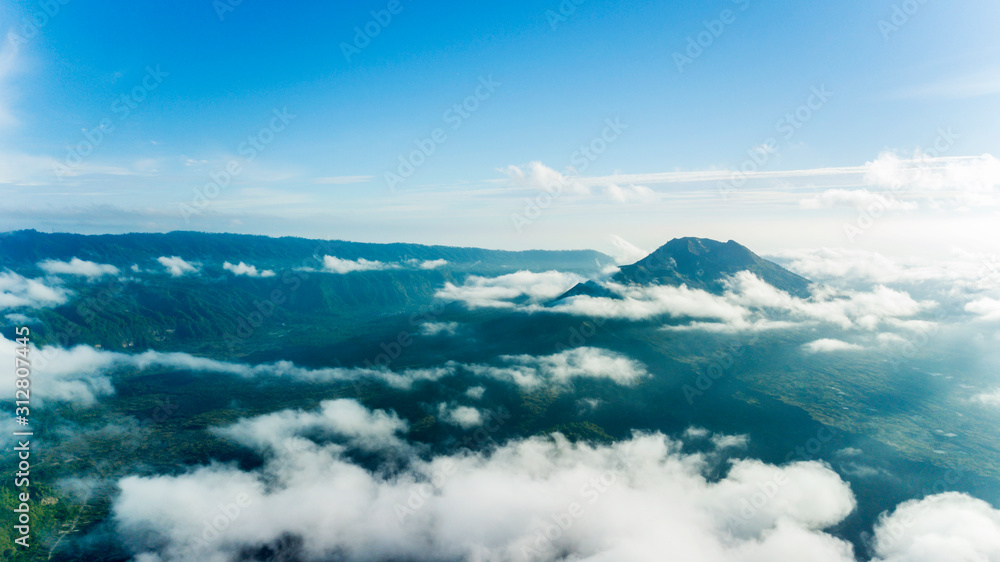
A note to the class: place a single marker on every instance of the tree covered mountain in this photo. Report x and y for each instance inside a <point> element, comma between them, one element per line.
<point>215,311</point>
<point>22,250</point>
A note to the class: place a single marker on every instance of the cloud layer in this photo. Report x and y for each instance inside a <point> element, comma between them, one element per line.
<point>83,374</point>
<point>503,291</point>
<point>528,371</point>
<point>747,303</point>
<point>948,526</point>
<point>541,498</point>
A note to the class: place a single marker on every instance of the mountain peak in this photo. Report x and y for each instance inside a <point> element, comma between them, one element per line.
<point>703,263</point>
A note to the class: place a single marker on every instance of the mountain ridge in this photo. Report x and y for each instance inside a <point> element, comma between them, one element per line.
<point>25,248</point>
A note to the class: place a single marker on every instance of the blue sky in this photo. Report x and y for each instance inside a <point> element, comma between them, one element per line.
<point>897,78</point>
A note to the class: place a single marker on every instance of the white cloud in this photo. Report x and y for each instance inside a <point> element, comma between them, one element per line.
<point>76,375</point>
<point>334,264</point>
<point>858,198</point>
<point>248,270</point>
<point>696,433</point>
<point>831,264</point>
<point>177,266</point>
<point>83,374</point>
<point>846,309</point>
<point>988,398</point>
<point>541,177</point>
<point>827,345</point>
<point>76,266</point>
<point>946,181</point>
<point>891,339</point>
<point>438,328</point>
<point>476,392</point>
<point>841,266</point>
<point>985,308</point>
<point>540,499</point>
<point>17,291</point>
<point>9,66</point>
<point>948,526</point>
<point>529,371</point>
<point>432,264</point>
<point>744,305</point>
<point>465,417</point>
<point>18,318</point>
<point>538,176</point>
<point>630,193</point>
<point>643,302</point>
<point>337,265</point>
<point>345,419</point>
<point>498,292</point>
<point>625,251</point>
<point>730,441</point>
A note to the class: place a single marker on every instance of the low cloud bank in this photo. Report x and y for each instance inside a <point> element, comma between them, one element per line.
<point>333,264</point>
<point>506,290</point>
<point>540,498</point>
<point>528,371</point>
<point>83,374</point>
<point>535,499</point>
<point>747,303</point>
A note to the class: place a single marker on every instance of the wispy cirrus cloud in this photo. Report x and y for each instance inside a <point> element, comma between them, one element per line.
<point>856,198</point>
